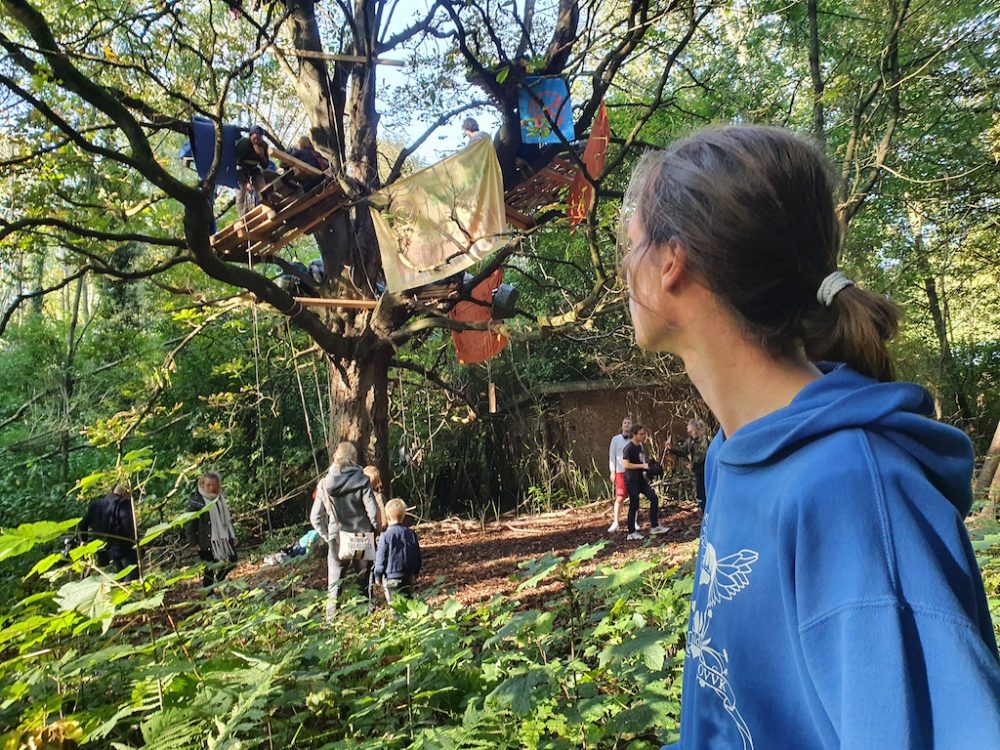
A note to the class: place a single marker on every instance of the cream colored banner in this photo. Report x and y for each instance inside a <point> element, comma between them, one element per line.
<point>442,219</point>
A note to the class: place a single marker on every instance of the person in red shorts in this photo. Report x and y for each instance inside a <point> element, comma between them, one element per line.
<point>618,443</point>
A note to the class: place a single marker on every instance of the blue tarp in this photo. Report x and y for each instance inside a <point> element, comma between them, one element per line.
<point>554,95</point>
<point>202,146</point>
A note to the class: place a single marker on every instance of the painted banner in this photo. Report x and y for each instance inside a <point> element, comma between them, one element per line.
<point>442,219</point>
<point>541,95</point>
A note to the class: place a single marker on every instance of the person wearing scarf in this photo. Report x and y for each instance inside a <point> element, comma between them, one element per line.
<point>212,531</point>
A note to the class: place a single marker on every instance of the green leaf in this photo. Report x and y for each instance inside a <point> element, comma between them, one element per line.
<point>503,73</point>
<point>161,528</point>
<point>26,536</point>
<point>90,597</point>
<point>588,551</point>
<point>539,569</point>
<point>647,643</point>
<point>522,692</point>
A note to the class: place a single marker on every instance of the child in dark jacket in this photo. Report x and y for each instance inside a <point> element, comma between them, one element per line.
<point>397,562</point>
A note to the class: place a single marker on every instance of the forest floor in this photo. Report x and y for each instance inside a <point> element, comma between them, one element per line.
<point>473,563</point>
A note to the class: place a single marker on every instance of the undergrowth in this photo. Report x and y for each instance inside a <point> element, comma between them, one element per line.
<point>122,666</point>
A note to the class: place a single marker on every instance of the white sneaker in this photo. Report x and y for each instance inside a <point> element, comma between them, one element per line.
<point>613,528</point>
<point>659,530</point>
<point>635,536</point>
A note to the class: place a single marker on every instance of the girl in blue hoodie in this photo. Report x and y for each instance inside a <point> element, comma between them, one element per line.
<point>837,602</point>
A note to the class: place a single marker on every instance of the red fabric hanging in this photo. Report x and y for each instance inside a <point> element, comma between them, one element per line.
<point>581,193</point>
<point>473,347</point>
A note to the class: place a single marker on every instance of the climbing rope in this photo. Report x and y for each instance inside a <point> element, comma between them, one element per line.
<point>260,414</point>
<point>302,397</point>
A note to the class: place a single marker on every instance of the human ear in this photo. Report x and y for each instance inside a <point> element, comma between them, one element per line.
<point>673,263</point>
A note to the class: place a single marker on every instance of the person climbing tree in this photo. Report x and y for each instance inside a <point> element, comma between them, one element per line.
<point>837,601</point>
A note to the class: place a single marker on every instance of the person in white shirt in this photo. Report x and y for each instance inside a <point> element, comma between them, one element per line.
<point>618,443</point>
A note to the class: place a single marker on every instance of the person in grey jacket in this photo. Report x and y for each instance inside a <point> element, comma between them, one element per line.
<point>344,513</point>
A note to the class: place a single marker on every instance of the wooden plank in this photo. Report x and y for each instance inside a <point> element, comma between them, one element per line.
<point>311,55</point>
<point>351,304</point>
<point>298,164</point>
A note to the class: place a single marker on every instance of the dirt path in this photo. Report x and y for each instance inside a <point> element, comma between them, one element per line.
<point>473,564</point>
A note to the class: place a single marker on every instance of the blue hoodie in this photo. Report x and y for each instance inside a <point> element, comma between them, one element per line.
<point>837,602</point>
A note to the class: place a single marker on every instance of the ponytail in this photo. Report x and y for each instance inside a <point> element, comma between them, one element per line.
<point>754,208</point>
<point>855,329</point>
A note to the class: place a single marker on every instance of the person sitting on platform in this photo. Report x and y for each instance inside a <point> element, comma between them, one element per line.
<point>305,151</point>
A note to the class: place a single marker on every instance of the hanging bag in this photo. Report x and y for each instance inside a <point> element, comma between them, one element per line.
<point>352,543</point>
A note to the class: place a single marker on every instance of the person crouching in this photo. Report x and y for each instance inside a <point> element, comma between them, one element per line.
<point>397,562</point>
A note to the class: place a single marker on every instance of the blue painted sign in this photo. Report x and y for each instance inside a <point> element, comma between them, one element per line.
<point>541,96</point>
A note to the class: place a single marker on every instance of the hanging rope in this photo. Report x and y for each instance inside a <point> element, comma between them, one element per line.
<point>302,397</point>
<point>319,402</point>
<point>260,414</point>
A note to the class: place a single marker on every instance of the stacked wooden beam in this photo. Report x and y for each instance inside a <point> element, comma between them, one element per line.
<point>267,229</point>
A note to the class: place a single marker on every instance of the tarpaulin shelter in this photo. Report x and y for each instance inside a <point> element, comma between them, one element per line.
<point>203,149</point>
<point>442,219</point>
<point>473,347</point>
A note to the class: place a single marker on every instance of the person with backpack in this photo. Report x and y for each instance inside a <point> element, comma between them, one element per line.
<point>836,598</point>
<point>344,513</point>
<point>110,519</point>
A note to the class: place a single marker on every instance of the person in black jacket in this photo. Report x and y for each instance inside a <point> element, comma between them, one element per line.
<point>252,164</point>
<point>110,518</point>
<point>344,513</point>
<point>212,531</point>
<point>397,562</point>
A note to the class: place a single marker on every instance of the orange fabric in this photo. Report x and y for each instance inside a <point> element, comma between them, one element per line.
<point>581,192</point>
<point>473,347</point>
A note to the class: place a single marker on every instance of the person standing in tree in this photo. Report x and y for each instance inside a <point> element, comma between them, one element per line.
<point>471,131</point>
<point>635,464</point>
<point>110,519</point>
<point>252,160</point>
<point>837,602</point>
<point>212,532</point>
<point>617,470</point>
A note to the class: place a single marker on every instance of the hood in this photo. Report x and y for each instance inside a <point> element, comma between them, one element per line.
<point>348,479</point>
<point>843,399</point>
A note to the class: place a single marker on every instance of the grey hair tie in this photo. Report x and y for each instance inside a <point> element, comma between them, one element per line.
<point>831,286</point>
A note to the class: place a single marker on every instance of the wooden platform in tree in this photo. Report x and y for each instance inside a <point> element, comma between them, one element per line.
<point>546,187</point>
<point>267,228</point>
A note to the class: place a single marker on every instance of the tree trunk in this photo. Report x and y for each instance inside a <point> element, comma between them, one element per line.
<point>359,400</point>
<point>948,364</point>
<point>987,486</point>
